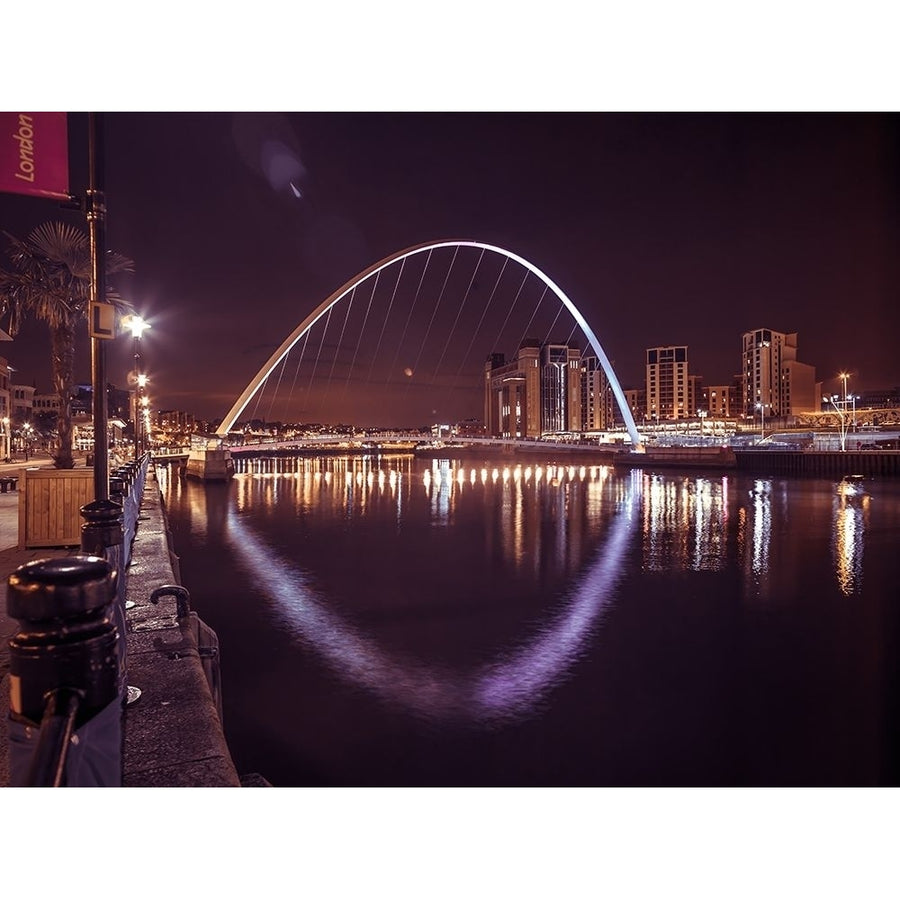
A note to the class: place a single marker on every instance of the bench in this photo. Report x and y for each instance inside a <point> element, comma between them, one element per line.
<point>7,482</point>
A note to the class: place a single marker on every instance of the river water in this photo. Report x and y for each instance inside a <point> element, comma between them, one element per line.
<point>391,620</point>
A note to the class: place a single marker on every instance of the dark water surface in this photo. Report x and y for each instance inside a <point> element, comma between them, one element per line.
<point>389,620</point>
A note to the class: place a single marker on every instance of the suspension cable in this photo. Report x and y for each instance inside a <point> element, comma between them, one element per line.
<point>434,313</point>
<point>409,315</point>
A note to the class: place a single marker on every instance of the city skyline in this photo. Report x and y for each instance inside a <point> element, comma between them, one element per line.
<point>664,228</point>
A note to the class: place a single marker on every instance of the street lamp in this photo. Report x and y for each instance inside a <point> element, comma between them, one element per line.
<point>848,398</point>
<point>137,326</point>
<point>841,411</point>
<point>26,438</point>
<point>762,421</point>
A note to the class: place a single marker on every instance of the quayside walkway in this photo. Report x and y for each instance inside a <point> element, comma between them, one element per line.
<point>173,734</point>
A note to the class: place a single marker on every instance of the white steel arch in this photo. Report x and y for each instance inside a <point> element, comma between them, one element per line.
<point>341,292</point>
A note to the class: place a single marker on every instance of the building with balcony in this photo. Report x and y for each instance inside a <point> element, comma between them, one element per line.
<point>668,384</point>
<point>774,381</point>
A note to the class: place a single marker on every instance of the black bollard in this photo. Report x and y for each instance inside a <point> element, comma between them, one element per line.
<point>65,719</point>
<point>103,535</point>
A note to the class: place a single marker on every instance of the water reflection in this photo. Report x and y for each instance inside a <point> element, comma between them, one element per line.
<point>505,689</point>
<point>762,525</point>
<point>851,512</point>
<point>684,523</point>
<point>568,498</point>
<point>546,512</point>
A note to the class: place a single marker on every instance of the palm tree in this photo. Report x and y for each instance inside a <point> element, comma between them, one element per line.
<point>49,280</point>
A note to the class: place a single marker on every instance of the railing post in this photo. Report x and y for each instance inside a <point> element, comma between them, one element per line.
<point>102,535</point>
<point>65,720</point>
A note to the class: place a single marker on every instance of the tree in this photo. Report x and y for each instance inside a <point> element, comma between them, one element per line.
<point>49,280</point>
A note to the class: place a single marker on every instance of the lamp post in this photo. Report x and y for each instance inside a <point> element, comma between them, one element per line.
<point>842,414</point>
<point>26,438</point>
<point>762,421</point>
<point>136,325</point>
<point>145,417</point>
<point>849,399</point>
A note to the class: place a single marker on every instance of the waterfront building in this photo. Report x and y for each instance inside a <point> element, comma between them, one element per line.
<point>560,388</point>
<point>538,392</point>
<point>636,398</point>
<point>596,396</point>
<point>774,381</point>
<point>695,394</point>
<point>668,384</point>
<point>722,400</point>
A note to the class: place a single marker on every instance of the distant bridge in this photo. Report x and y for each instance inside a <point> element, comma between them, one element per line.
<point>391,440</point>
<point>348,290</point>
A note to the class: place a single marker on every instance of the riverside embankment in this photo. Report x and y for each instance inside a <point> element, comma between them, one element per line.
<point>173,735</point>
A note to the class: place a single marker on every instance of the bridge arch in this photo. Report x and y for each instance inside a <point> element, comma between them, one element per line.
<point>240,404</point>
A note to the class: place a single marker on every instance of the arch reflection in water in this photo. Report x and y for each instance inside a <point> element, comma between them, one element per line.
<point>506,689</point>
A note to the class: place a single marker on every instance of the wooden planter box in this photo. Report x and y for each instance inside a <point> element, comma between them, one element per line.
<point>50,502</point>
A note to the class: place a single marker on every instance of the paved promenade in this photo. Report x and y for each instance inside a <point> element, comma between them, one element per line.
<point>173,733</point>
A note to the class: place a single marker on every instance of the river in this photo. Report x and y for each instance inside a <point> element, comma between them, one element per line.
<point>390,620</point>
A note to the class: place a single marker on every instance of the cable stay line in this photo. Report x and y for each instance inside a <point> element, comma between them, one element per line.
<point>275,392</point>
<point>509,313</point>
<point>409,315</point>
<point>434,313</point>
<point>297,370</point>
<point>340,342</point>
<point>362,331</point>
<point>550,329</point>
<point>528,326</point>
<point>477,330</point>
<point>385,321</point>
<point>456,320</point>
<point>319,353</point>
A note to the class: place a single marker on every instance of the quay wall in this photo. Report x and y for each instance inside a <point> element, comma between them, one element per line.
<point>822,463</point>
<point>173,734</point>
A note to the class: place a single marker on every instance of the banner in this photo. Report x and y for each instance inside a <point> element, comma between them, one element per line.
<point>34,154</point>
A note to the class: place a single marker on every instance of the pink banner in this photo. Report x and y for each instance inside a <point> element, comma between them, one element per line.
<point>34,154</point>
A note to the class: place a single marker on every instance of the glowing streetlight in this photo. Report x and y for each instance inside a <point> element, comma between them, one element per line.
<point>137,326</point>
<point>841,411</point>
<point>849,399</point>
<point>26,437</point>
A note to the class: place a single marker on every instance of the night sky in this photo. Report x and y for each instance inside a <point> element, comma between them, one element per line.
<point>678,228</point>
<point>664,227</point>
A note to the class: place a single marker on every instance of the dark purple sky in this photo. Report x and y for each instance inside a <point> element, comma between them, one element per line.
<point>663,228</point>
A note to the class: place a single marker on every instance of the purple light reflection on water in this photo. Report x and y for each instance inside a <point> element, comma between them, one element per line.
<point>504,690</point>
